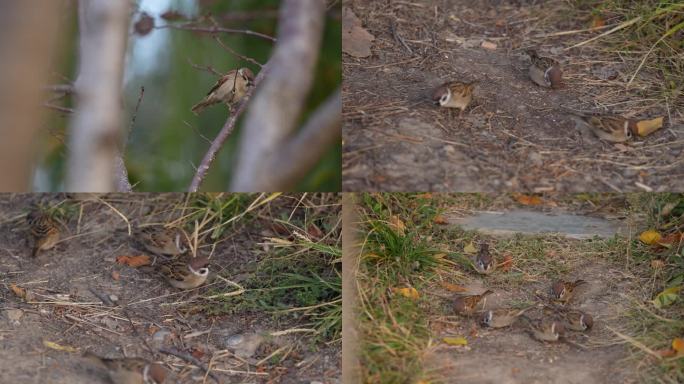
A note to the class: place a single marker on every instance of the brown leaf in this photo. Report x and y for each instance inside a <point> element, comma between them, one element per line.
<point>133,261</point>
<point>19,291</point>
<point>507,262</point>
<point>657,264</point>
<point>489,45</point>
<point>528,199</point>
<point>398,225</point>
<point>424,196</point>
<point>673,239</point>
<point>453,287</point>
<point>597,22</point>
<point>172,15</point>
<point>666,352</point>
<point>314,231</point>
<point>116,275</point>
<point>439,219</point>
<point>197,353</point>
<point>356,41</point>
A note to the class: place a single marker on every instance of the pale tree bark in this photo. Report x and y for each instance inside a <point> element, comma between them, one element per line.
<point>95,130</point>
<point>28,37</point>
<point>279,101</point>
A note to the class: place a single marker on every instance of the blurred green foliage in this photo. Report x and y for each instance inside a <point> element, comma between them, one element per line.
<point>167,140</point>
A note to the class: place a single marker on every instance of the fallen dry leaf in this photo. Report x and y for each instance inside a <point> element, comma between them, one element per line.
<point>398,225</point>
<point>673,239</point>
<point>470,248</point>
<point>528,199</point>
<point>55,346</point>
<point>666,352</point>
<point>650,237</point>
<point>678,345</point>
<point>197,353</point>
<point>356,41</point>
<point>646,127</point>
<point>409,292</point>
<point>424,196</point>
<point>19,291</point>
<point>657,264</point>
<point>507,262</point>
<point>489,45</point>
<point>439,256</point>
<point>597,21</point>
<point>453,287</point>
<point>460,341</point>
<point>314,232</point>
<point>439,219</point>
<point>133,261</point>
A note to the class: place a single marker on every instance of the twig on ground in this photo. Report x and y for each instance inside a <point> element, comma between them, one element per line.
<point>190,359</point>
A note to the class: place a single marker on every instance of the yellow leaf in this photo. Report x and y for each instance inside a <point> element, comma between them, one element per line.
<point>597,22</point>
<point>51,345</point>
<point>650,237</point>
<point>441,220</point>
<point>528,199</point>
<point>646,127</point>
<point>678,345</point>
<point>470,249</point>
<point>455,340</point>
<point>667,297</point>
<point>453,287</point>
<point>409,292</point>
<point>439,256</point>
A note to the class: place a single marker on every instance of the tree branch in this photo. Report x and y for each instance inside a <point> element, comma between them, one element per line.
<point>224,134</point>
<point>276,107</point>
<point>302,152</point>
<point>191,27</point>
<point>95,127</point>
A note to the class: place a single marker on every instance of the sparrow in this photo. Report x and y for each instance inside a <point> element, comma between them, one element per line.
<point>130,370</point>
<point>546,330</point>
<point>500,318</point>
<point>578,321</point>
<point>229,89</point>
<point>161,241</point>
<point>484,263</point>
<point>563,290</point>
<point>465,305</point>
<point>187,273</point>
<point>612,128</point>
<point>454,94</point>
<point>44,230</point>
<point>545,71</point>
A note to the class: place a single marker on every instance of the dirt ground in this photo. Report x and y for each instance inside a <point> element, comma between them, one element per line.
<point>64,311</point>
<point>516,136</point>
<point>510,355</point>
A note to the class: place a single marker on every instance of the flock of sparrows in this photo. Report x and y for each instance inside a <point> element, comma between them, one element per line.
<point>545,72</point>
<point>547,328</point>
<point>178,270</point>
<point>229,89</point>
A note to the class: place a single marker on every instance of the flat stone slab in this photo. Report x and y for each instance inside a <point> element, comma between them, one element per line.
<point>532,222</point>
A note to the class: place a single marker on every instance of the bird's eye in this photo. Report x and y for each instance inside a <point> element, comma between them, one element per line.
<point>444,99</point>
<point>203,271</point>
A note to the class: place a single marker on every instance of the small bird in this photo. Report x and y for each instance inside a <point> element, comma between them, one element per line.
<point>611,128</point>
<point>130,370</point>
<point>454,94</point>
<point>500,318</point>
<point>545,71</point>
<point>546,330</point>
<point>229,89</point>
<point>465,305</point>
<point>484,262</point>
<point>44,230</point>
<point>161,241</point>
<point>578,321</point>
<point>184,274</point>
<point>564,290</point>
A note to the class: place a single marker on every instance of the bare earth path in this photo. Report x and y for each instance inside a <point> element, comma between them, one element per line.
<point>515,136</point>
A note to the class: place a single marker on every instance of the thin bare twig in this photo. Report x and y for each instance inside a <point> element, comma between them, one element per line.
<point>216,29</point>
<point>190,359</point>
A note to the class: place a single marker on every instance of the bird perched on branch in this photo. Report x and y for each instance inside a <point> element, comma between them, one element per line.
<point>44,230</point>
<point>229,89</point>
<point>130,370</point>
<point>545,71</point>
<point>454,94</point>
